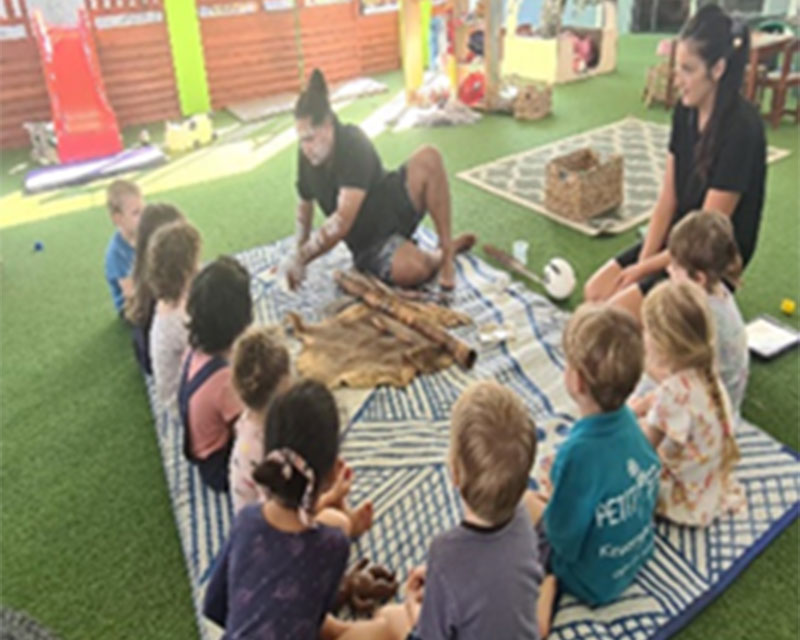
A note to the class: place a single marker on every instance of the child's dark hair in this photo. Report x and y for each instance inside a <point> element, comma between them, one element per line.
<point>703,242</point>
<point>139,308</point>
<point>313,102</point>
<point>715,37</point>
<point>219,305</point>
<point>304,420</point>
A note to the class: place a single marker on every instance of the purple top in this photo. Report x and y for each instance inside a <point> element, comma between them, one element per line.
<point>272,584</point>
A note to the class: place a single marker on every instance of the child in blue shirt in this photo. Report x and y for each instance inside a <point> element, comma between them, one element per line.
<point>125,205</point>
<point>598,518</point>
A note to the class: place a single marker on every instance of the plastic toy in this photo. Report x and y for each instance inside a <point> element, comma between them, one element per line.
<point>366,586</point>
<point>559,279</point>
<point>85,124</point>
<point>788,306</point>
<point>192,133</point>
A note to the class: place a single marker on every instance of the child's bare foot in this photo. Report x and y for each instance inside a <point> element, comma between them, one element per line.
<point>544,608</point>
<point>360,518</point>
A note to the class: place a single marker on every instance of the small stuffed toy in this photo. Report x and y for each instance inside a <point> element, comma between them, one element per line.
<point>365,587</point>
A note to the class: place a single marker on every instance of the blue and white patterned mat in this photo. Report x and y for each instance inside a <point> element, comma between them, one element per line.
<point>396,442</point>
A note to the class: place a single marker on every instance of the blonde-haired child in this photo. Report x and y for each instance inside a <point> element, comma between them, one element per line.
<point>603,485</point>
<point>124,202</point>
<point>492,449</point>
<point>261,372</point>
<point>703,249</point>
<point>172,260</point>
<point>690,422</point>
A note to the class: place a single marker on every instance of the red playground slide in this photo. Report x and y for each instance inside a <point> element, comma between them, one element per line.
<point>84,122</point>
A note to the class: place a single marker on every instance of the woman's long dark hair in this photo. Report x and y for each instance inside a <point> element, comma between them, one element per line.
<point>313,102</point>
<point>718,37</point>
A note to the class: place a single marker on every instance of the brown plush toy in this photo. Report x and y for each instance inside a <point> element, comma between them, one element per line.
<point>365,587</point>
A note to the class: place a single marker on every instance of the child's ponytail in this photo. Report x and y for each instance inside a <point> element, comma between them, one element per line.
<point>286,476</point>
<point>730,450</point>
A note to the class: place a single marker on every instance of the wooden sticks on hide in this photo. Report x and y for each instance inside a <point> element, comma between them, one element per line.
<point>383,299</point>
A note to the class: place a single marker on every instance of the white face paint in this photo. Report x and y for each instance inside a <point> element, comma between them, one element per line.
<point>322,236</point>
<point>316,143</point>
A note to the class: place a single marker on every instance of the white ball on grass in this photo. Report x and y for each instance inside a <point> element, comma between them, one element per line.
<point>559,278</point>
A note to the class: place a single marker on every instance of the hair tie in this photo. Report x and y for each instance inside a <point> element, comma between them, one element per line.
<point>290,462</point>
<point>738,28</point>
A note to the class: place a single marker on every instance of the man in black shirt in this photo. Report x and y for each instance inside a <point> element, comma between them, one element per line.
<point>373,210</point>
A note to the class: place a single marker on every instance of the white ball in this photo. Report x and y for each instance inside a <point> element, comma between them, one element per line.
<point>559,279</point>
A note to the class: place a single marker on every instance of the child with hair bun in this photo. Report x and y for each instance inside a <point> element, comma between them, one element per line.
<point>691,421</point>
<point>261,371</point>
<point>279,572</point>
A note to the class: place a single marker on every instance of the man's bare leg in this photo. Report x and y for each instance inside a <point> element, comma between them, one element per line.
<point>411,266</point>
<point>429,190</point>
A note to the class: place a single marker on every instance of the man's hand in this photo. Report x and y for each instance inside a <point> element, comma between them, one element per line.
<point>295,271</point>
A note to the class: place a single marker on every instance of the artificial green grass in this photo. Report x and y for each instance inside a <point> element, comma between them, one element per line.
<point>88,543</point>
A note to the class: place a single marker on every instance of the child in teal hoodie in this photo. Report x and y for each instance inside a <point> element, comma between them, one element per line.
<point>596,511</point>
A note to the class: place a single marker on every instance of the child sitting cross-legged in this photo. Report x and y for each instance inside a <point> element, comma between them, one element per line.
<point>596,512</point>
<point>219,309</point>
<point>279,572</point>
<point>173,255</point>
<point>482,577</point>
<point>691,421</point>
<point>260,373</point>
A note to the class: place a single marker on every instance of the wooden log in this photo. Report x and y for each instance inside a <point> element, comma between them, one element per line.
<point>512,264</point>
<point>360,287</point>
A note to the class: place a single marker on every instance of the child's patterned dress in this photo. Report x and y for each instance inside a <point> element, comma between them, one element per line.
<point>698,451</point>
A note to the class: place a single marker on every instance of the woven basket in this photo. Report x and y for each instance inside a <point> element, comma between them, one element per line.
<point>580,186</point>
<point>532,102</point>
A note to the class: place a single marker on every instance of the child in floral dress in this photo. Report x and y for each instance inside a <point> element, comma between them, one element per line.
<point>690,422</point>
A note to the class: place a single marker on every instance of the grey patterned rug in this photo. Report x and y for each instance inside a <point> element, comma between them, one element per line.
<point>16,625</point>
<point>643,146</point>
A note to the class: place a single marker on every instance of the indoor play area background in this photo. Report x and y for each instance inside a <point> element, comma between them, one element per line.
<point>96,539</point>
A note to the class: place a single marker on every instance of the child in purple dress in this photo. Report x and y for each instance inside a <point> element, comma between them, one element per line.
<point>279,571</point>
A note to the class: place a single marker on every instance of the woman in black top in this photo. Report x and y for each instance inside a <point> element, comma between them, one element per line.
<point>374,211</point>
<point>716,161</point>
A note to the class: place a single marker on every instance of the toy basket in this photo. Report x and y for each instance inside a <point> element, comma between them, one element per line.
<point>579,185</point>
<point>532,102</point>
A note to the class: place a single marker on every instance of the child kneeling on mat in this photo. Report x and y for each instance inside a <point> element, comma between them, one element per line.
<point>219,309</point>
<point>482,577</point>
<point>279,572</point>
<point>691,420</point>
<point>598,517</point>
<point>260,373</point>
